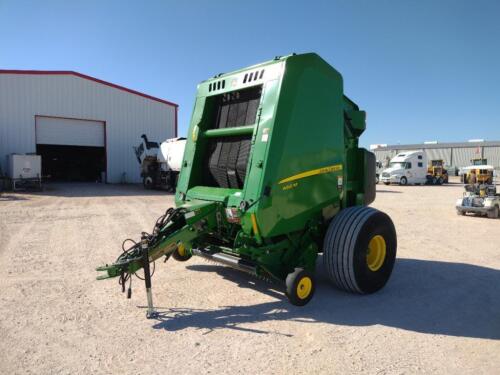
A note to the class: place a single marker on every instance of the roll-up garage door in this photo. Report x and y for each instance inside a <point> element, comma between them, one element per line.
<point>71,149</point>
<point>69,132</point>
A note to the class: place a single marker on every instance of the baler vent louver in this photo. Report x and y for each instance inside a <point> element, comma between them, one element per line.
<point>253,76</point>
<point>219,85</point>
<point>227,157</point>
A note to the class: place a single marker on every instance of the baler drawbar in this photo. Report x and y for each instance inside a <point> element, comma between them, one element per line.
<point>272,176</point>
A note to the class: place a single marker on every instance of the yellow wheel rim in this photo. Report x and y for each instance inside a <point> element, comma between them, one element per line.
<point>181,249</point>
<point>377,250</point>
<point>304,287</point>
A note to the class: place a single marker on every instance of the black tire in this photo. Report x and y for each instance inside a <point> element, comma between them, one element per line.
<point>147,181</point>
<point>434,181</point>
<point>387,183</point>
<point>345,250</point>
<point>440,181</point>
<point>171,181</point>
<point>300,287</point>
<point>494,213</point>
<point>181,254</point>
<point>403,181</point>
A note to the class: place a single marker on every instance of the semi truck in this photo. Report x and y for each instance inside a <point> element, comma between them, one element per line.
<point>406,168</point>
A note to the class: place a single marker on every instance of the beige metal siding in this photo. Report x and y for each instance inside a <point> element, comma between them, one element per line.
<point>439,154</point>
<point>492,154</point>
<point>462,156</point>
<point>126,115</point>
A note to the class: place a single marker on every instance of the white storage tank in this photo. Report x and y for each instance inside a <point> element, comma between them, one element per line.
<point>24,166</point>
<point>172,153</point>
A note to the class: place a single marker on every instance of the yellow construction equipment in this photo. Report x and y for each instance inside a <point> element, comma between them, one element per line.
<point>482,172</point>
<point>437,173</point>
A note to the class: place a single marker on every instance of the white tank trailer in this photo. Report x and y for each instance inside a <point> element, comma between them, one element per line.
<point>24,171</point>
<point>160,163</point>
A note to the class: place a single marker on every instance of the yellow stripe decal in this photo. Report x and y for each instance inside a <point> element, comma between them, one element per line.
<point>254,224</point>
<point>313,172</point>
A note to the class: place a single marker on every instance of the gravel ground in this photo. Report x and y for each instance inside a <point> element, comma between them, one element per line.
<point>439,313</point>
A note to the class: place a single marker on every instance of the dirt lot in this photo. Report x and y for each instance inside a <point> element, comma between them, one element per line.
<point>440,312</point>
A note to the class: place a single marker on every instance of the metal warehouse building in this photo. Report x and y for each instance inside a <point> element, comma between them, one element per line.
<point>455,155</point>
<point>80,125</point>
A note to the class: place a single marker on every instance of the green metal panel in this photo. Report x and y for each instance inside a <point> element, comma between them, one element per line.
<point>307,135</point>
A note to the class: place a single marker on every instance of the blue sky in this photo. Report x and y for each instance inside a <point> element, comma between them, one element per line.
<point>423,70</point>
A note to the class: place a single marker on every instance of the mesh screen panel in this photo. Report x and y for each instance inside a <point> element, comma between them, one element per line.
<point>227,157</point>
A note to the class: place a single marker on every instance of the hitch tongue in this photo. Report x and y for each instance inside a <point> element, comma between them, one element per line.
<point>147,275</point>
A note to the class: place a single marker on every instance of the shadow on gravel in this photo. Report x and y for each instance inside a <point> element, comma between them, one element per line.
<point>90,189</point>
<point>9,197</point>
<point>453,299</point>
<point>389,191</point>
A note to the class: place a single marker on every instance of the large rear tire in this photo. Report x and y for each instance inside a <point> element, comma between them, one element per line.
<point>359,249</point>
